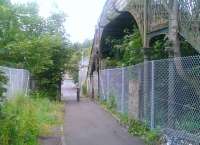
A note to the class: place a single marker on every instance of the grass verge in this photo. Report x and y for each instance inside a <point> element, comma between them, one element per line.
<point>24,118</point>
<point>84,89</point>
<point>135,127</point>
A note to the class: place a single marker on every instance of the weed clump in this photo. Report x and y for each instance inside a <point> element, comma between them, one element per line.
<point>24,118</point>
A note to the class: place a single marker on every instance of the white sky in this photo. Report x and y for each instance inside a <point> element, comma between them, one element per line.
<point>82,15</point>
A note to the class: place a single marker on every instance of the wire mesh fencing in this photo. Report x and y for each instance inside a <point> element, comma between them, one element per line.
<point>18,81</point>
<point>165,94</point>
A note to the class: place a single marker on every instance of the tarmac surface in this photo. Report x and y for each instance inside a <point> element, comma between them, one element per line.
<point>86,123</point>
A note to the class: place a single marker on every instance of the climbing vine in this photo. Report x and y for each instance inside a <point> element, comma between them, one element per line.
<point>125,51</point>
<point>128,50</point>
<point>3,81</point>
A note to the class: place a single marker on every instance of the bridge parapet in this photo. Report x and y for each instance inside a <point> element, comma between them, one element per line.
<point>158,16</point>
<point>189,21</point>
<point>121,4</point>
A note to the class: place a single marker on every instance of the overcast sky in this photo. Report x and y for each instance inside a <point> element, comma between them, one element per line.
<point>82,15</point>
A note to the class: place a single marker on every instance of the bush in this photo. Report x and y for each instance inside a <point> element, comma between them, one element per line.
<point>24,119</point>
<point>111,103</point>
<point>3,81</point>
<point>135,128</point>
<point>138,128</point>
<point>84,88</point>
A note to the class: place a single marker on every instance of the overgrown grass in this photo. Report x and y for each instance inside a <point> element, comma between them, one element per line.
<point>135,127</point>
<point>3,81</point>
<point>23,119</point>
<point>84,88</point>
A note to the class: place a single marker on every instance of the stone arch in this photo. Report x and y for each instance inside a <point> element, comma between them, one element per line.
<point>156,40</point>
<point>185,47</point>
<point>125,20</point>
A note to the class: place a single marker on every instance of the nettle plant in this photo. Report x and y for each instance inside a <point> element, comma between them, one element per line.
<point>3,81</point>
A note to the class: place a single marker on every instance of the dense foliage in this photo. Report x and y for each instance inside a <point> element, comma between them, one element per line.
<point>25,118</point>
<point>3,81</point>
<point>31,42</point>
<point>135,127</point>
<point>128,50</point>
<point>125,51</point>
<point>77,53</point>
<point>73,65</point>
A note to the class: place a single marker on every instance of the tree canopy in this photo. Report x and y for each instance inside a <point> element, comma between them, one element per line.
<point>29,41</point>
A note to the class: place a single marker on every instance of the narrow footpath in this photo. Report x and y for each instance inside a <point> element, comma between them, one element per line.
<point>86,123</point>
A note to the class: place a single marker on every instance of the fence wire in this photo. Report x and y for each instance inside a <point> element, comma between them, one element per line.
<point>165,94</point>
<point>17,81</point>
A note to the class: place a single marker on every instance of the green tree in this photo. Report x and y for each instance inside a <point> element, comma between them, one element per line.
<point>3,81</point>
<point>31,42</point>
<point>73,64</point>
<point>125,51</point>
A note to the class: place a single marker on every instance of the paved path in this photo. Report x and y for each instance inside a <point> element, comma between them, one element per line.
<point>86,123</point>
<point>68,90</point>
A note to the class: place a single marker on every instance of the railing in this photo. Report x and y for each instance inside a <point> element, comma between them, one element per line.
<point>18,81</point>
<point>172,103</point>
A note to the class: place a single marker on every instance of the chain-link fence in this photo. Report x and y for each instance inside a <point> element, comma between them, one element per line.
<point>18,81</point>
<point>165,94</point>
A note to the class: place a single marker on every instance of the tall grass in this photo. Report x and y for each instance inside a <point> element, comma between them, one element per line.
<point>84,88</point>
<point>23,119</point>
<point>135,127</point>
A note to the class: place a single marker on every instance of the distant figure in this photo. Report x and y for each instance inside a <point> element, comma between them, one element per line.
<point>78,92</point>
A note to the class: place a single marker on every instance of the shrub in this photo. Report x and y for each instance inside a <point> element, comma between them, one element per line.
<point>84,88</point>
<point>135,128</point>
<point>3,81</point>
<point>111,103</point>
<point>24,119</point>
<point>19,124</point>
<point>138,128</point>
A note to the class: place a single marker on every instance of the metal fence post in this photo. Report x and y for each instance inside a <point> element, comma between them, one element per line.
<point>146,92</point>
<point>171,100</point>
<point>11,83</point>
<point>107,84</point>
<point>22,81</point>
<point>122,94</point>
<point>152,97</point>
<point>27,83</point>
<point>102,87</point>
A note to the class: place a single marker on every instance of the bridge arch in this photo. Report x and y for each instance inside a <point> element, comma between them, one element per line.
<point>116,29</point>
<point>186,49</point>
<point>157,45</point>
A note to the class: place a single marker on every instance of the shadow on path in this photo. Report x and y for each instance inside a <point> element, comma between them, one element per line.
<point>86,123</point>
